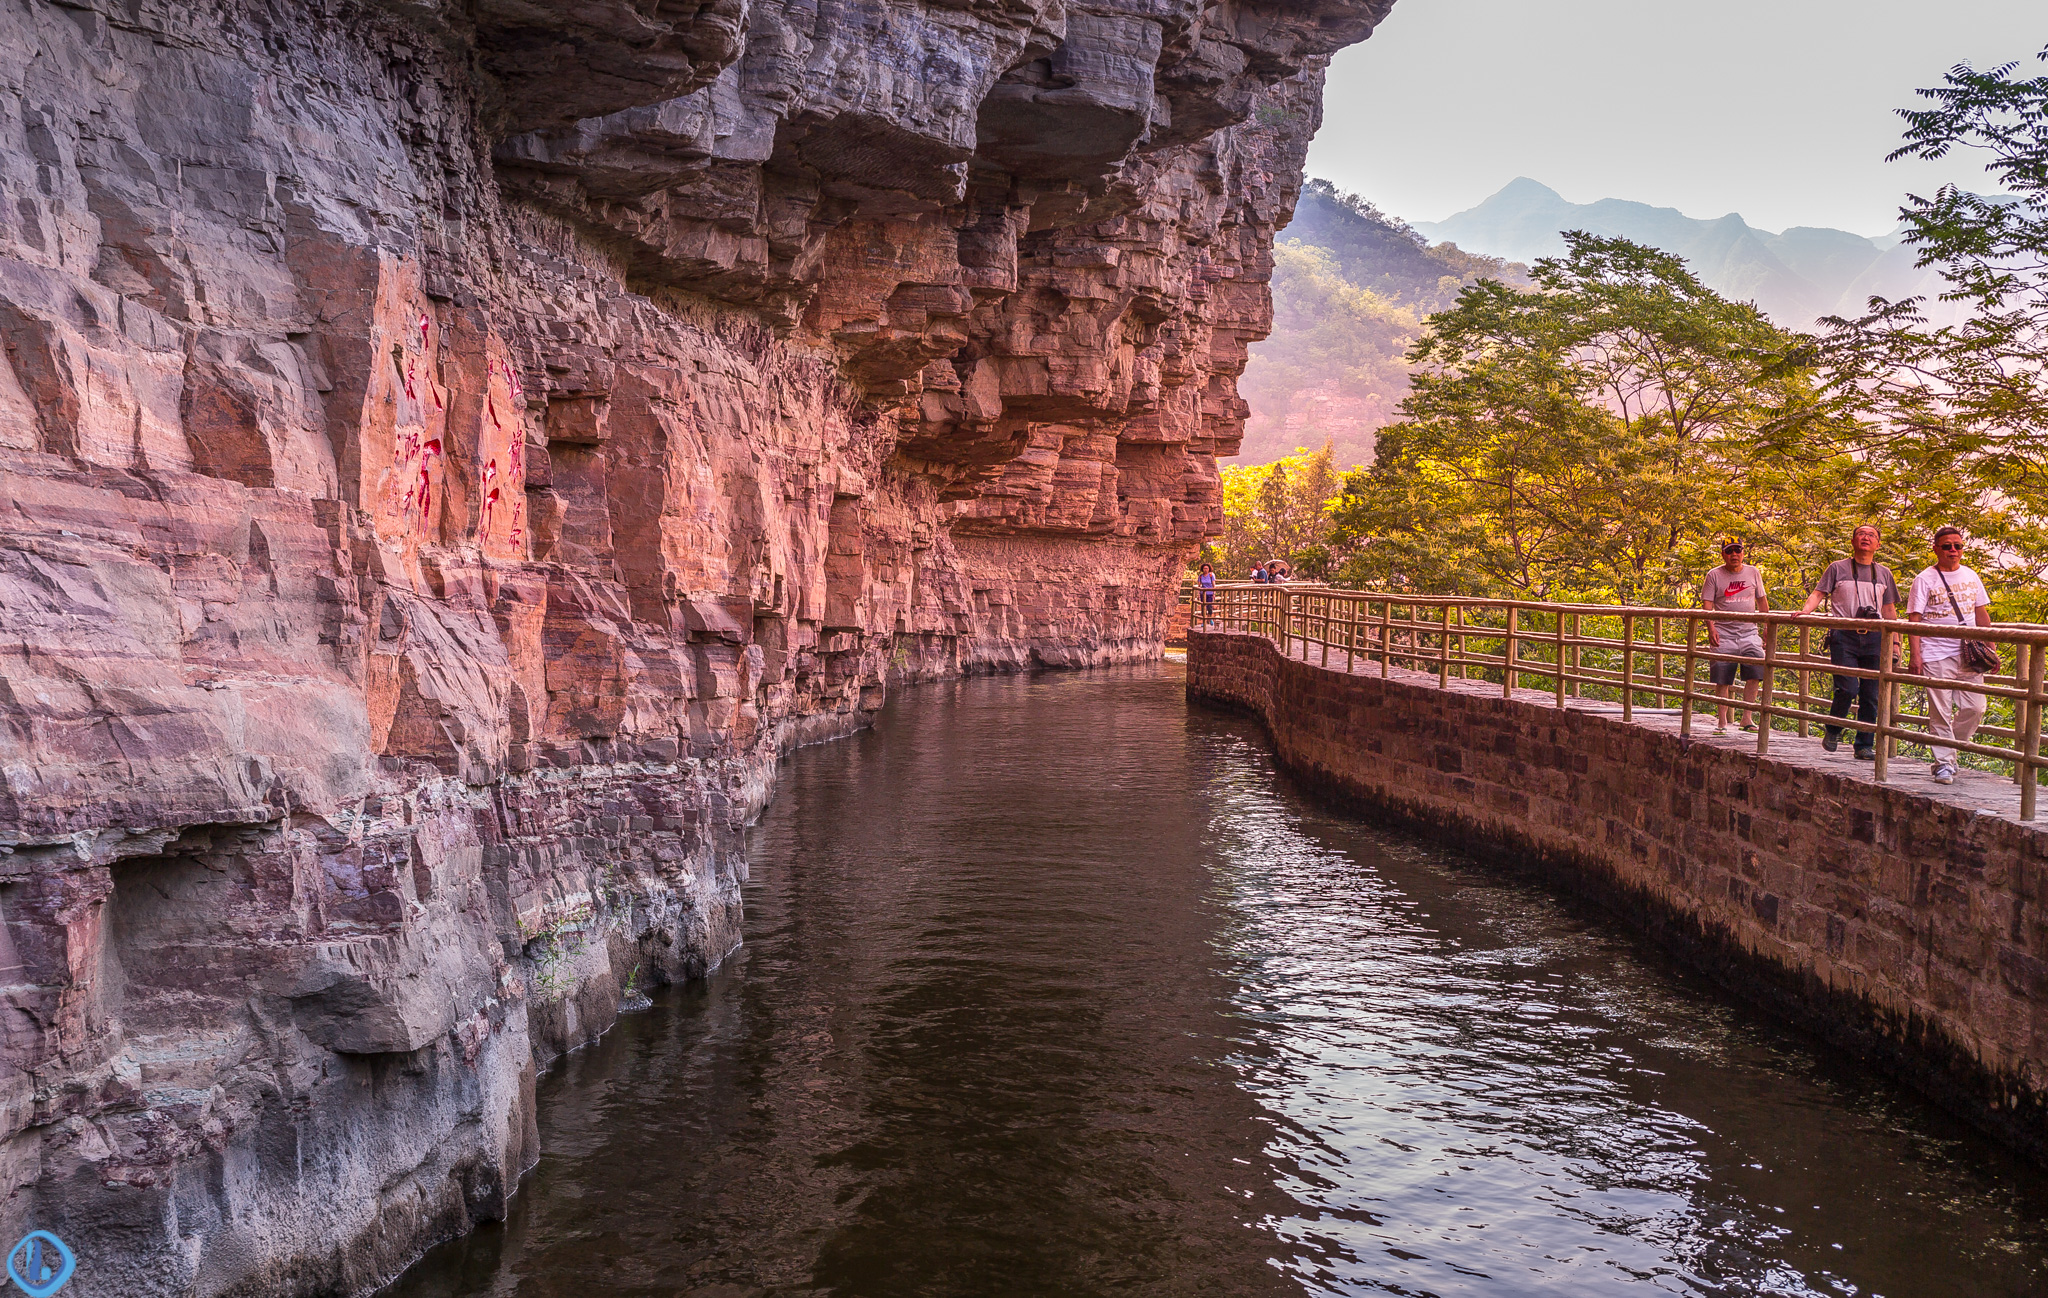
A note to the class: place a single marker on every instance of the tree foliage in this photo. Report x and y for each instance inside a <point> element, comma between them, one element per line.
<point>1278,511</point>
<point>1593,438</point>
<point>1961,411</point>
<point>1592,433</point>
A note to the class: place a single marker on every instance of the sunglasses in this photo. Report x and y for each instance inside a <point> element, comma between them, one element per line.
<point>1950,545</point>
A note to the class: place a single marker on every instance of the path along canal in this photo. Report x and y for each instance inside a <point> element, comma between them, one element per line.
<point>1054,986</point>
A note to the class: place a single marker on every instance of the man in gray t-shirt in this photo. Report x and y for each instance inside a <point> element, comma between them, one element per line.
<point>1858,586</point>
<point>1735,587</point>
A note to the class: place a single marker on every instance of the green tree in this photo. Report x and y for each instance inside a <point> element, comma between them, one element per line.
<point>1278,511</point>
<point>1592,438</point>
<point>1960,413</point>
<point>1276,522</point>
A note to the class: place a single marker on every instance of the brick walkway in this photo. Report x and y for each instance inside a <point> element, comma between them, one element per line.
<point>1979,791</point>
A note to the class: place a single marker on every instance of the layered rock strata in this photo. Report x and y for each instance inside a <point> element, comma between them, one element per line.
<point>450,449</point>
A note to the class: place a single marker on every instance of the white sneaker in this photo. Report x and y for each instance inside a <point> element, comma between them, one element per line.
<point>1944,775</point>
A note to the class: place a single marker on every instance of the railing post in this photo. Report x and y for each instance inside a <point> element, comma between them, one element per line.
<point>1577,628</point>
<point>1628,666</point>
<point>1560,658</point>
<point>1507,675</point>
<point>1898,711</point>
<point>1386,636</point>
<point>1692,670</point>
<point>1761,714</point>
<point>1884,706</point>
<point>1461,642</point>
<point>2030,747</point>
<point>1663,676</point>
<point>1443,667</point>
<point>2020,669</point>
<point>1805,683</point>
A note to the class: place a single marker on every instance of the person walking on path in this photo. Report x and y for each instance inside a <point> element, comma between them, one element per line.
<point>1946,591</point>
<point>1207,581</point>
<point>1735,587</point>
<point>1860,587</point>
<point>1259,572</point>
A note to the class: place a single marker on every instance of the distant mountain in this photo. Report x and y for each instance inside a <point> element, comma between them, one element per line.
<point>1796,277</point>
<point>1351,286</point>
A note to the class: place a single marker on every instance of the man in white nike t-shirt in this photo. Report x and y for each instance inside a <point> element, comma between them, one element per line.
<point>1735,587</point>
<point>1947,592</point>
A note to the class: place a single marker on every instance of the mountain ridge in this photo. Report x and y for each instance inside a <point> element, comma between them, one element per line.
<point>1796,276</point>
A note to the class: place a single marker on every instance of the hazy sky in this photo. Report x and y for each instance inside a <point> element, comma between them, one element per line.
<point>1778,110</point>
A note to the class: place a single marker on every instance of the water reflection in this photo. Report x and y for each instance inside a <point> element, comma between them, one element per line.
<point>1053,988</point>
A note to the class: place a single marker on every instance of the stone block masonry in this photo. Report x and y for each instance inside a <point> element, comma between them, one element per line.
<point>1903,927</point>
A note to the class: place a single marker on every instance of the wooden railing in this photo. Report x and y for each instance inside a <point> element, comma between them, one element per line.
<point>1644,659</point>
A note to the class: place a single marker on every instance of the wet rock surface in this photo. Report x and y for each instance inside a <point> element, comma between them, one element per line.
<point>451,450</point>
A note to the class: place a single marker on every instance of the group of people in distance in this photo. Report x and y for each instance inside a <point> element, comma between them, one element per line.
<point>1946,591</point>
<point>1274,570</point>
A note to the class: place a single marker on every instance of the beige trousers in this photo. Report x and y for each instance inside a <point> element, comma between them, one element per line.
<point>1951,714</point>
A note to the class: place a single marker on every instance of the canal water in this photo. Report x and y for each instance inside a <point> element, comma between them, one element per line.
<point>1054,986</point>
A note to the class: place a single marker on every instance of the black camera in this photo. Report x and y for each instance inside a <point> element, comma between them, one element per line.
<point>1866,612</point>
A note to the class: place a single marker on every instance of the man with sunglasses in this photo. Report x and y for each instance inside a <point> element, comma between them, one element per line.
<point>1946,591</point>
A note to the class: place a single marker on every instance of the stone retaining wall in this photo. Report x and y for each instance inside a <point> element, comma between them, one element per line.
<point>1908,930</point>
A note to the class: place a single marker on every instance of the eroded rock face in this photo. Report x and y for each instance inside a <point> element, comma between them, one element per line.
<point>450,449</point>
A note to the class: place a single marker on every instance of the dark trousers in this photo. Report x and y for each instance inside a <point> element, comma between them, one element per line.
<point>1858,689</point>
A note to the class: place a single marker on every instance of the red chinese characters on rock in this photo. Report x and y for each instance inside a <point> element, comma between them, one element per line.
<point>501,510</point>
<point>412,487</point>
<point>417,459</point>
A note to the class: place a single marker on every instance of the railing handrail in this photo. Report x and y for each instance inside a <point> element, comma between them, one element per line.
<point>1434,638</point>
<point>2009,633</point>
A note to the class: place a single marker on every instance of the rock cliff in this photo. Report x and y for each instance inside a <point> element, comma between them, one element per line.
<point>451,447</point>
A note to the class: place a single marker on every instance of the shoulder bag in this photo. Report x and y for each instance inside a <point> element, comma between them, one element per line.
<point>1978,655</point>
